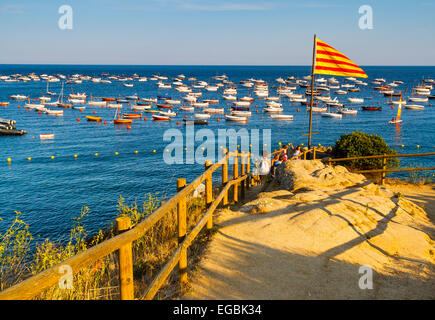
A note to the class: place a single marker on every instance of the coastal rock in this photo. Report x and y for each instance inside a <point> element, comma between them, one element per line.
<point>312,242</point>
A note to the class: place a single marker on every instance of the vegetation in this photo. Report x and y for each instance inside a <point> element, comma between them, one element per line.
<point>99,281</point>
<point>358,144</point>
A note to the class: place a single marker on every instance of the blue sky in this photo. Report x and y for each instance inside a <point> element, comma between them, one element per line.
<point>213,32</point>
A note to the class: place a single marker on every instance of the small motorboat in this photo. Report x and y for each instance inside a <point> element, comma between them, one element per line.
<point>195,121</point>
<point>164,106</point>
<point>202,116</point>
<point>78,108</point>
<point>94,119</point>
<point>355,100</point>
<point>168,113</point>
<point>331,115</point>
<point>213,110</point>
<point>241,113</point>
<point>281,116</point>
<point>45,136</point>
<point>4,104</point>
<point>114,105</point>
<point>414,107</point>
<point>236,118</point>
<point>131,116</point>
<point>54,112</point>
<point>161,118</point>
<point>273,110</point>
<point>191,109</point>
<point>318,109</point>
<point>348,111</point>
<point>122,121</point>
<point>108,99</point>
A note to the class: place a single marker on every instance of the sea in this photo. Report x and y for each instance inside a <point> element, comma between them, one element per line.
<point>52,188</point>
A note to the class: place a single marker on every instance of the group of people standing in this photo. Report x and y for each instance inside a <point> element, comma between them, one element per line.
<point>268,166</point>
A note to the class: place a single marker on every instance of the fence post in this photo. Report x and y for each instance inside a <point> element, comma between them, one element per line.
<point>329,161</point>
<point>384,167</point>
<point>209,192</point>
<point>242,189</point>
<point>235,176</point>
<point>305,155</point>
<point>125,262</point>
<point>314,153</point>
<point>248,170</point>
<point>256,172</point>
<point>182,227</point>
<point>225,178</point>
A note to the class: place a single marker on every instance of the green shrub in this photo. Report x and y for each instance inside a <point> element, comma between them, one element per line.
<point>358,144</point>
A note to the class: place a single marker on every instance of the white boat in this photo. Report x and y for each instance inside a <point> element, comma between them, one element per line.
<point>150,100</point>
<point>129,85</point>
<point>211,88</point>
<point>318,109</point>
<point>340,92</point>
<point>331,115</point>
<point>114,105</point>
<point>355,100</point>
<point>417,99</point>
<point>190,109</point>
<point>273,110</point>
<point>97,103</point>
<point>414,107</point>
<point>80,96</point>
<point>46,136</point>
<point>171,101</point>
<point>168,113</point>
<point>273,104</point>
<point>281,116</point>
<point>242,103</point>
<point>236,118</point>
<point>213,110</point>
<point>271,98</point>
<point>139,108</point>
<point>19,97</point>
<point>54,112</point>
<point>202,115</point>
<point>248,99</point>
<point>348,111</point>
<point>230,98</point>
<point>241,113</point>
<point>200,104</point>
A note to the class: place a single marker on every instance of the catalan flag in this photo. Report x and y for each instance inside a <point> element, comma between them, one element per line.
<point>332,62</point>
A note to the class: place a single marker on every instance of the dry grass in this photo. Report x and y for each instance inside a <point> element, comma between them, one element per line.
<point>100,281</point>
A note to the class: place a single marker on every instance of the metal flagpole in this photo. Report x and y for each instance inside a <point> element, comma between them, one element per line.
<point>312,92</point>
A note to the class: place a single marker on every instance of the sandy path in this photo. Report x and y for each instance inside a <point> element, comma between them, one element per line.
<point>275,256</point>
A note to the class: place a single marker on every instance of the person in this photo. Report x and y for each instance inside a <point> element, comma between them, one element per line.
<point>277,160</point>
<point>297,153</point>
<point>264,167</point>
<point>284,153</point>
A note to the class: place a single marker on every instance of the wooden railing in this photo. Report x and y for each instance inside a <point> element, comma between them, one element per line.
<point>384,170</point>
<point>122,242</point>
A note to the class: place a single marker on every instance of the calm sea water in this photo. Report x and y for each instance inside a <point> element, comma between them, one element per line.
<point>50,192</point>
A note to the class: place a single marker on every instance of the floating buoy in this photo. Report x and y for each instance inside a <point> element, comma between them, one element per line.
<point>52,157</point>
<point>402,146</point>
<point>154,151</point>
<point>9,160</point>
<point>178,123</point>
<point>136,152</point>
<point>128,127</point>
<point>78,119</point>
<point>297,109</point>
<point>217,120</point>
<point>418,146</point>
<point>116,153</point>
<point>145,118</point>
<point>105,122</point>
<point>75,156</point>
<point>29,158</point>
<point>96,154</point>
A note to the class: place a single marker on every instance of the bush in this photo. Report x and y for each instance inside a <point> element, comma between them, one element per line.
<point>358,144</point>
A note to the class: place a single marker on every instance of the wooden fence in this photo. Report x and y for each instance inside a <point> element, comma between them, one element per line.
<point>241,180</point>
<point>384,170</point>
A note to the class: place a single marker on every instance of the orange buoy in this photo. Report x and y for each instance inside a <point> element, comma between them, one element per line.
<point>78,119</point>
<point>178,123</point>
<point>218,120</point>
<point>105,122</point>
<point>144,118</point>
<point>128,127</point>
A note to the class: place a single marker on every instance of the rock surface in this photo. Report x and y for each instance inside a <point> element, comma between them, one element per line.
<point>308,239</point>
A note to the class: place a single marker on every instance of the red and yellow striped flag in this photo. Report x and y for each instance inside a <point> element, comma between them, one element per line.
<point>330,61</point>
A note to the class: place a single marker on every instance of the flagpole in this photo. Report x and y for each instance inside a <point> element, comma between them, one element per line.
<point>312,93</point>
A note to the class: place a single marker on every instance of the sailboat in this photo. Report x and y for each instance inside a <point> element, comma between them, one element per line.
<point>60,100</point>
<point>48,92</point>
<point>399,112</point>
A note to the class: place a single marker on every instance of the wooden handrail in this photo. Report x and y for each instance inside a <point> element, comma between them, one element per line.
<point>380,156</point>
